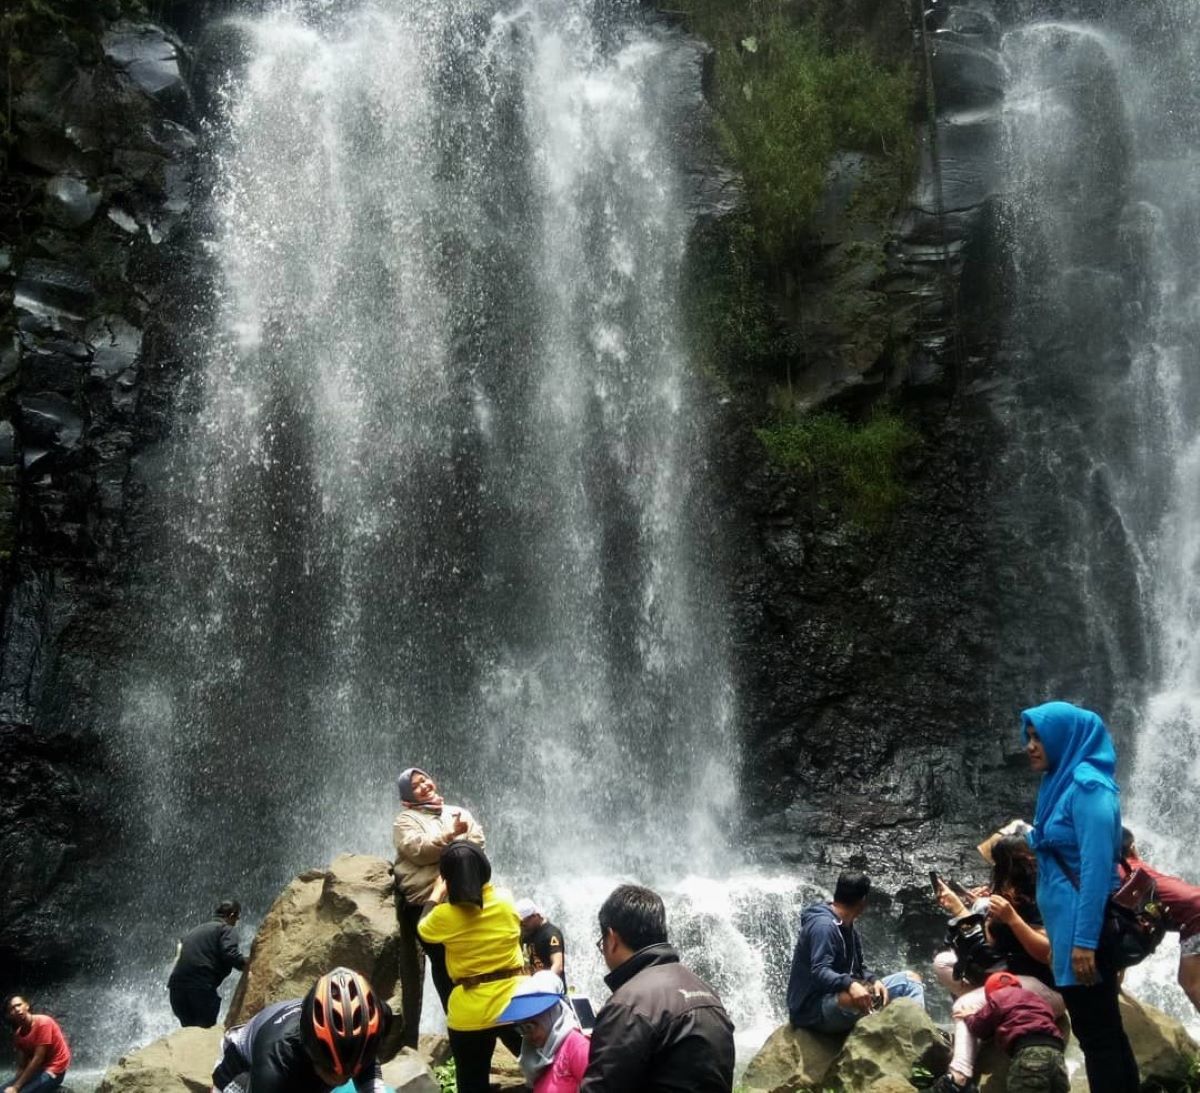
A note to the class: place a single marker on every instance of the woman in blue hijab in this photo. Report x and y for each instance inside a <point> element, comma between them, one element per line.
<point>1077,837</point>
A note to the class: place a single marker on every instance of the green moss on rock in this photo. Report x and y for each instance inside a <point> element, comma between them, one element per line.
<point>729,320</point>
<point>854,467</point>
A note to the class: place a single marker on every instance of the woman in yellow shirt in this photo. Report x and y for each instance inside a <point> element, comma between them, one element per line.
<point>482,936</point>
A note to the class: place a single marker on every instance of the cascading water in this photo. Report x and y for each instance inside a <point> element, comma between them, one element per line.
<point>439,494</point>
<point>1102,150</point>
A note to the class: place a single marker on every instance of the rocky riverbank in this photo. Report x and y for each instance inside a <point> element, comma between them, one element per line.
<point>343,914</point>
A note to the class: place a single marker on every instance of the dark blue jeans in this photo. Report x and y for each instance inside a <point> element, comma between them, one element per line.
<point>41,1082</point>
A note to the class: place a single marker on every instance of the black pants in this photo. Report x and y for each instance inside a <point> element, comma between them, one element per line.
<point>473,1056</point>
<point>194,1006</point>
<point>1096,1022</point>
<point>411,969</point>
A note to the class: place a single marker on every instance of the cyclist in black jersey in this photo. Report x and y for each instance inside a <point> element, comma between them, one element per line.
<point>309,1045</point>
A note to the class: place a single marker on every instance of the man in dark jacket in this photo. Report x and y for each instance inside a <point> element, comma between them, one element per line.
<point>206,956</point>
<point>664,1029</point>
<point>829,988</point>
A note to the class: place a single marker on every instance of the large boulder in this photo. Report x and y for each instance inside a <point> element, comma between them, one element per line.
<point>888,1044</point>
<point>790,1060</point>
<point>341,915</point>
<point>179,1063</point>
<point>1161,1045</point>
<point>183,1062</point>
<point>409,1073</point>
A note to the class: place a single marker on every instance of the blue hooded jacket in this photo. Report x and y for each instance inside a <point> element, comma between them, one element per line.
<point>823,963</point>
<point>1078,817</point>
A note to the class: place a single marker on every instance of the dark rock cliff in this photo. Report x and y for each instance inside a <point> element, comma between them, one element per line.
<point>95,250</point>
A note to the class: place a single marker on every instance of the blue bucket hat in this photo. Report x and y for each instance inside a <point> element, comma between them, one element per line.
<point>533,997</point>
<point>525,1007</point>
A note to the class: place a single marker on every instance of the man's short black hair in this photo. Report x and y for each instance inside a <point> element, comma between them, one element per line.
<point>636,914</point>
<point>1127,841</point>
<point>229,908</point>
<point>852,889</point>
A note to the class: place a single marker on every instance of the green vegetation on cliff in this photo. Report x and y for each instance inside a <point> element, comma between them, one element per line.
<point>856,467</point>
<point>789,97</point>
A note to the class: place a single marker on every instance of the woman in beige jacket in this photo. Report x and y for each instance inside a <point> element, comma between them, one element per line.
<point>424,828</point>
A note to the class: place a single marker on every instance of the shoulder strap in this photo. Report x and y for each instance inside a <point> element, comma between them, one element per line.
<point>1070,875</point>
<point>1066,869</point>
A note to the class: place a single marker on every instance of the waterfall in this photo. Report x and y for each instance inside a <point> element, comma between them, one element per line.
<point>1102,212</point>
<point>439,493</point>
<point>1166,772</point>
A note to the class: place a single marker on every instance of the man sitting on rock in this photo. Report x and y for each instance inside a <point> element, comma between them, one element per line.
<point>311,1044</point>
<point>829,989</point>
<point>42,1052</point>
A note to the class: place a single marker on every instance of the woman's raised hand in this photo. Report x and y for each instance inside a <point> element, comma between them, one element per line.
<point>949,901</point>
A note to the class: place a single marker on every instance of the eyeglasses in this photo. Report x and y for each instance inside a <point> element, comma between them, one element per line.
<point>600,941</point>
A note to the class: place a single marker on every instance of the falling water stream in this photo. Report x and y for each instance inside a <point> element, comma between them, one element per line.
<point>439,494</point>
<point>1102,150</point>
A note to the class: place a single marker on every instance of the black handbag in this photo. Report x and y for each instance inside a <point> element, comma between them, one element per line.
<point>1134,919</point>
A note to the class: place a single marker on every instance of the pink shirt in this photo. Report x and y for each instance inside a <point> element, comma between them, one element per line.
<point>565,1074</point>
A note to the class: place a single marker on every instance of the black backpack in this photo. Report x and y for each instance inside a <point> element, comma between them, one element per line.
<point>976,957</point>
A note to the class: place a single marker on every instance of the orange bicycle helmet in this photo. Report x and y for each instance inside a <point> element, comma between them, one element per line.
<point>341,1023</point>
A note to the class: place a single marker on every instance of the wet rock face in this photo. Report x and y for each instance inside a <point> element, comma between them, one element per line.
<point>881,673</point>
<point>95,247</point>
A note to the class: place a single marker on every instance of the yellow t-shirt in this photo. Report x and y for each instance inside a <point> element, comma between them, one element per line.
<point>477,941</point>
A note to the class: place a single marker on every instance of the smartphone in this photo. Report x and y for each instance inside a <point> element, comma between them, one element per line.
<point>584,1011</point>
<point>936,881</point>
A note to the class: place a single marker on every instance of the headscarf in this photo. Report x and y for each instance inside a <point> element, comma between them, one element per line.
<point>466,869</point>
<point>561,1018</point>
<point>404,788</point>
<point>1078,749</point>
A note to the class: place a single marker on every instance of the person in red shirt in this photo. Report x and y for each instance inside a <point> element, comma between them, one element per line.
<point>1023,1024</point>
<point>1182,902</point>
<point>42,1052</point>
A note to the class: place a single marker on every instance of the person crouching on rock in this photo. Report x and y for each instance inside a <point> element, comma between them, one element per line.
<point>479,928</point>
<point>41,1048</point>
<point>1014,932</point>
<point>1024,1026</point>
<point>1182,903</point>
<point>829,989</point>
<point>424,828</point>
<point>543,942</point>
<point>554,1050</point>
<point>315,1043</point>
<point>207,955</point>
